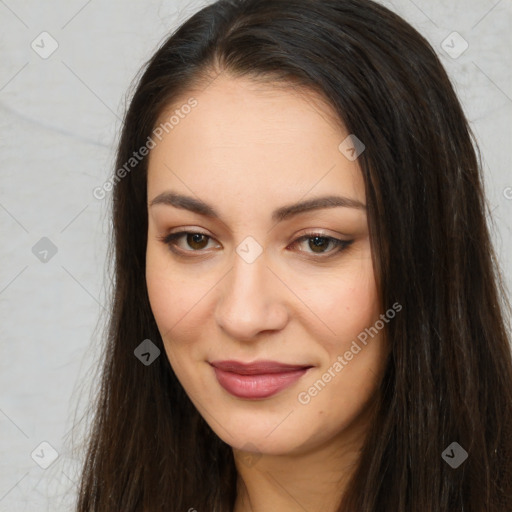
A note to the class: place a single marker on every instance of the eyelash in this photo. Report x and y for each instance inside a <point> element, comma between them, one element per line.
<point>340,245</point>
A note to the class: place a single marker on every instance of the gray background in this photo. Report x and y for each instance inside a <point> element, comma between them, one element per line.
<point>59,120</point>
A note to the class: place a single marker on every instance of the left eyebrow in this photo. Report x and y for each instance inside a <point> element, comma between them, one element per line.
<point>285,212</point>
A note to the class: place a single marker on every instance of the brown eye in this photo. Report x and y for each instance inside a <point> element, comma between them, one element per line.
<point>194,240</point>
<point>318,243</point>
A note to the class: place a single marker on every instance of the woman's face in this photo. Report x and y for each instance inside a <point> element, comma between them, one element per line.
<point>263,280</point>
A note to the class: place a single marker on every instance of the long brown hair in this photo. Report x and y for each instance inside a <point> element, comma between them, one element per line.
<point>449,375</point>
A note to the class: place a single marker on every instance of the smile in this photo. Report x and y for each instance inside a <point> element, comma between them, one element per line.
<point>256,380</point>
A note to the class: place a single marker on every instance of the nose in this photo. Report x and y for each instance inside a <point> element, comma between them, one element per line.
<point>251,300</point>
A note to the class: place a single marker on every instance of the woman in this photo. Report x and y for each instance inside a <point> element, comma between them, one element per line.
<point>307,310</point>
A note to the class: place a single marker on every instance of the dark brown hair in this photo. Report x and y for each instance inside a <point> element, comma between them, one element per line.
<point>449,374</point>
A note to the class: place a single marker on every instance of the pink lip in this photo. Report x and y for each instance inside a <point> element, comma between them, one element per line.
<point>260,379</point>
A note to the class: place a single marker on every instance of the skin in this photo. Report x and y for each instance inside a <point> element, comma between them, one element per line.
<point>248,149</point>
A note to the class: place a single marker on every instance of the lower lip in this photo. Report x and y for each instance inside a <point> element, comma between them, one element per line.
<point>257,386</point>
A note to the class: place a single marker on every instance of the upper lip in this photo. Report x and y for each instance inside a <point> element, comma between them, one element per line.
<point>257,367</point>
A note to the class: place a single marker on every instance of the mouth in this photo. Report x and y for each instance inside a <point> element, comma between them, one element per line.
<point>257,380</point>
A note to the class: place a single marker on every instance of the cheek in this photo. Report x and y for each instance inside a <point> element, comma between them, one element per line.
<point>359,349</point>
<point>346,302</point>
<point>170,297</point>
<point>358,306</point>
<point>339,391</point>
<point>169,301</point>
<point>177,300</point>
<point>162,291</point>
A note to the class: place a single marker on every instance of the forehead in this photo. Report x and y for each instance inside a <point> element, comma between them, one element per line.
<point>251,139</point>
